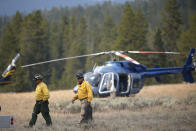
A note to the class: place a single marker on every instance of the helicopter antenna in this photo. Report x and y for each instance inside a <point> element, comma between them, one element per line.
<point>94,66</point>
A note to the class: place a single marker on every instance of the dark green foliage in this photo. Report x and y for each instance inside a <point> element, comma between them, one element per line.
<point>171,29</point>
<point>159,45</point>
<point>188,38</point>
<point>126,32</point>
<point>77,39</point>
<point>10,46</point>
<point>54,53</point>
<point>34,45</point>
<point>93,46</point>
<point>171,22</point>
<point>3,21</point>
<point>160,58</point>
<point>132,32</point>
<point>109,34</point>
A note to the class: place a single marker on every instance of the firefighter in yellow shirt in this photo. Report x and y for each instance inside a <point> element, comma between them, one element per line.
<point>85,96</point>
<point>41,105</point>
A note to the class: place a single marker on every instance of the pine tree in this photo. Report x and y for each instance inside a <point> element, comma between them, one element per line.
<point>95,39</point>
<point>78,47</point>
<point>59,47</point>
<point>108,37</point>
<point>125,39</point>
<point>54,54</point>
<point>4,20</point>
<point>132,33</point>
<point>109,34</point>
<point>77,39</point>
<point>171,22</point>
<point>160,59</point>
<point>71,35</point>
<point>159,46</point>
<point>34,45</point>
<point>65,35</point>
<point>66,43</point>
<point>93,46</point>
<point>171,29</point>
<point>140,30</point>
<point>10,40</point>
<point>10,47</point>
<point>188,39</point>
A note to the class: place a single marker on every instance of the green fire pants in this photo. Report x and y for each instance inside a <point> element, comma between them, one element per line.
<point>42,107</point>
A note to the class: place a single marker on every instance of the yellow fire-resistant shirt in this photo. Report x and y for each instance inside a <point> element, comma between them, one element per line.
<point>84,91</point>
<point>41,92</point>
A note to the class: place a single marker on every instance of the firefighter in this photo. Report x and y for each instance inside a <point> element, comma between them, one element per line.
<point>85,96</point>
<point>41,105</point>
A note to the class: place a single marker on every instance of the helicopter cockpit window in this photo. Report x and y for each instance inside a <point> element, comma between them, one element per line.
<point>108,83</point>
<point>93,79</point>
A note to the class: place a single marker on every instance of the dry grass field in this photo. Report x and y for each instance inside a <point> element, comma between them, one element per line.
<point>156,108</point>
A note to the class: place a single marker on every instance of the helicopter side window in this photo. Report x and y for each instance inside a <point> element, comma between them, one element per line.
<point>137,83</point>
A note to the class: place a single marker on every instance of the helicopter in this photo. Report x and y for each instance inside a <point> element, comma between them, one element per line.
<point>5,78</point>
<point>123,78</point>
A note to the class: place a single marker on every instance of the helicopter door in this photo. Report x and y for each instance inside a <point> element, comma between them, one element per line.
<point>108,83</point>
<point>125,84</point>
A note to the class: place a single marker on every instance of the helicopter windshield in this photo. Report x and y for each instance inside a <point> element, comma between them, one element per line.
<point>93,79</point>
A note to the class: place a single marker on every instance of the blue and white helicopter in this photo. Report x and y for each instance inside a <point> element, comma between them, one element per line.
<point>123,78</point>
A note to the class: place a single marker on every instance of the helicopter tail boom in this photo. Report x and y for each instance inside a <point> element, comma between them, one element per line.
<point>186,70</point>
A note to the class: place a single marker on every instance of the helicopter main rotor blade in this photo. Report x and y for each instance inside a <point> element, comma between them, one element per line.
<point>118,53</point>
<point>66,58</point>
<point>152,52</point>
<point>127,58</point>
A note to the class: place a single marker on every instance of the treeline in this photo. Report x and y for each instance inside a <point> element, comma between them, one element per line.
<point>63,32</point>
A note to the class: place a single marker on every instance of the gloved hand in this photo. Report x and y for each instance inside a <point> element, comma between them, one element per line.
<point>72,101</point>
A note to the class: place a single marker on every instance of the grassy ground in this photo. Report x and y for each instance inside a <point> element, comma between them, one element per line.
<point>161,107</point>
